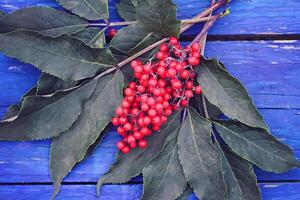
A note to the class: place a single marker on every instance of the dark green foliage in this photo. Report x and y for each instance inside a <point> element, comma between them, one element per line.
<point>42,19</point>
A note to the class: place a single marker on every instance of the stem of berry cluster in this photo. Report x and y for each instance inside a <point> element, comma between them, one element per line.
<point>183,21</point>
<point>184,27</point>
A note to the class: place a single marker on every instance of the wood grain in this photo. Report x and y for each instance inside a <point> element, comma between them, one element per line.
<point>270,191</point>
<point>247,17</point>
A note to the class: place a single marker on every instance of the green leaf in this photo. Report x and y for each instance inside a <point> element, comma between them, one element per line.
<point>185,195</point>
<point>71,147</point>
<point>49,84</point>
<point>213,111</point>
<point>12,111</point>
<point>132,39</point>
<point>48,21</point>
<point>89,9</point>
<point>158,16</point>
<point>257,146</point>
<point>131,165</point>
<point>65,57</point>
<point>94,37</point>
<point>163,175</point>
<point>200,159</point>
<point>134,2</point>
<point>227,93</point>
<point>126,10</point>
<point>239,176</point>
<point>2,14</point>
<point>41,116</point>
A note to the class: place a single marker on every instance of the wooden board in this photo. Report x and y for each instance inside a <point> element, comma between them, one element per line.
<point>248,17</point>
<point>270,191</point>
<point>269,70</point>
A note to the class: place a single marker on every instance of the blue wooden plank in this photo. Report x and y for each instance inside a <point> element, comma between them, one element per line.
<point>270,191</point>
<point>268,69</point>
<point>16,161</point>
<point>247,17</point>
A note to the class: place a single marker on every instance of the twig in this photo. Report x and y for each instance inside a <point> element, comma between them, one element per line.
<point>184,21</point>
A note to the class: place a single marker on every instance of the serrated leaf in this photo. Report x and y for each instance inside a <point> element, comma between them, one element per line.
<point>158,16</point>
<point>41,116</point>
<point>163,175</point>
<point>65,57</point>
<point>185,195</point>
<point>239,176</point>
<point>257,146</point>
<point>94,37</point>
<point>132,39</point>
<point>200,159</point>
<point>134,2</point>
<point>49,84</point>
<point>126,10</point>
<point>70,148</point>
<point>228,94</point>
<point>89,9</point>
<point>131,165</point>
<point>48,21</point>
<point>12,111</point>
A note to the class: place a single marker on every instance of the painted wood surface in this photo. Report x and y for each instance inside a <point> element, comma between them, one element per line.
<point>268,69</point>
<point>247,17</point>
<point>270,191</point>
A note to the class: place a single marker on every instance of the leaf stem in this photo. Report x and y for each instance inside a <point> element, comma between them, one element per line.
<point>184,21</point>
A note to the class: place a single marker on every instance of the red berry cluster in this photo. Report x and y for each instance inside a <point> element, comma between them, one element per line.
<point>161,87</point>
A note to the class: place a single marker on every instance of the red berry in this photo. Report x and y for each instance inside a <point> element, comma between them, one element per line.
<point>159,107</point>
<point>173,41</point>
<point>156,128</point>
<point>128,126</point>
<point>156,92</point>
<point>144,107</point>
<point>162,72</point>
<point>143,144</point>
<point>152,113</point>
<point>130,139</point>
<point>125,150</point>
<point>193,61</point>
<point>184,103</point>
<point>133,145</point>
<point>112,32</point>
<point>122,120</point>
<point>189,85</point>
<point>184,74</point>
<point>156,120</point>
<point>125,104</point>
<point>115,121</point>
<point>145,131</point>
<point>147,120</point>
<point>137,135</point>
<point>151,101</point>
<point>121,130</point>
<point>160,55</point>
<point>188,93</point>
<point>129,92</point>
<point>195,47</point>
<point>198,89</point>
<point>168,112</point>
<point>132,85</point>
<point>164,48</point>
<point>172,73</point>
<point>119,111</point>
<point>138,69</point>
<point>141,89</point>
<point>121,145</point>
<point>176,84</point>
<point>152,82</point>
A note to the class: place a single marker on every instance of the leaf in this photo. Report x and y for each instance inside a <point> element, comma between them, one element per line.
<point>213,111</point>
<point>49,84</point>
<point>185,195</point>
<point>126,10</point>
<point>134,2</point>
<point>48,21</point>
<point>2,14</point>
<point>200,159</point>
<point>228,94</point>
<point>12,111</point>
<point>163,175</point>
<point>89,9</point>
<point>94,37</point>
<point>158,16</point>
<point>132,39</point>
<point>239,176</point>
<point>257,146</point>
<point>65,57</point>
<point>41,116</point>
<point>131,165</point>
<point>71,147</point>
